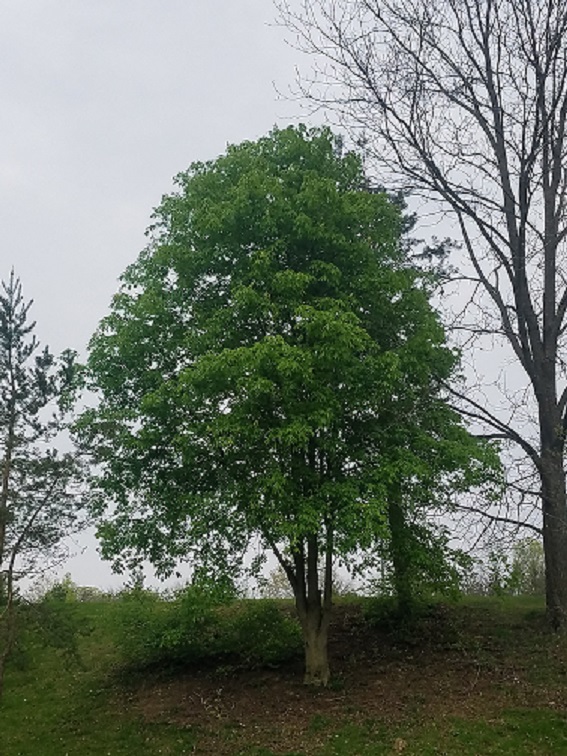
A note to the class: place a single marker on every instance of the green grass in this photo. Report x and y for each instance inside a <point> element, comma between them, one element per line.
<point>55,706</point>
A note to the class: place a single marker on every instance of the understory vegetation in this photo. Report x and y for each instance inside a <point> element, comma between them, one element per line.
<point>200,671</point>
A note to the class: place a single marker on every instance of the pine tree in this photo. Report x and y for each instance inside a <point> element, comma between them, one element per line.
<point>41,497</point>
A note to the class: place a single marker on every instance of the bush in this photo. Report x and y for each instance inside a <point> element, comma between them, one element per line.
<point>184,629</point>
<point>198,626</point>
<point>66,590</point>
<point>428,623</point>
<point>50,622</point>
<point>259,633</point>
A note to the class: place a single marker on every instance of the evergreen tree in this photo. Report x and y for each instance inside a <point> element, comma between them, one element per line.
<point>41,498</point>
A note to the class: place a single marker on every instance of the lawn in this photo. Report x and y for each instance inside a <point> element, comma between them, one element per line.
<point>479,677</point>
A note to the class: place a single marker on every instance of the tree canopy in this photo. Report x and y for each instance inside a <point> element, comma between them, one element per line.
<point>270,367</point>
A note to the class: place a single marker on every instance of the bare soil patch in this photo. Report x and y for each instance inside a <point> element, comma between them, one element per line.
<point>460,662</point>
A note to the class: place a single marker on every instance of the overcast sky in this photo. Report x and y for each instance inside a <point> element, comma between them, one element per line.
<point>101,104</point>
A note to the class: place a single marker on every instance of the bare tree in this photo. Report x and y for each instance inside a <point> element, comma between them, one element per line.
<point>466,101</point>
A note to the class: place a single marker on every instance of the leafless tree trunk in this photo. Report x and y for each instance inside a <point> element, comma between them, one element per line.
<point>465,101</point>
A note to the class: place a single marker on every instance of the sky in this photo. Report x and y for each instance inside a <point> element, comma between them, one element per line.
<point>101,104</point>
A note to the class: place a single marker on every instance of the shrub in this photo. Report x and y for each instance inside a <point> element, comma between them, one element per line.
<point>51,622</point>
<point>259,633</point>
<point>184,629</point>
<point>198,626</point>
<point>66,590</point>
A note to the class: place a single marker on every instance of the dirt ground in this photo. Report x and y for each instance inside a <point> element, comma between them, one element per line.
<point>451,663</point>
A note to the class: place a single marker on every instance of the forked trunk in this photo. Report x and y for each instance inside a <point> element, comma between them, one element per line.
<point>314,607</point>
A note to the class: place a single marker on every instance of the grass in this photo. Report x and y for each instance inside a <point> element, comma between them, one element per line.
<point>515,732</point>
<point>54,706</point>
<point>480,677</point>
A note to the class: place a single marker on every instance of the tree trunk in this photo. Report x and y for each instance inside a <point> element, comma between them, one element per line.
<point>315,638</point>
<point>5,491</point>
<point>314,607</point>
<point>7,644</point>
<point>555,537</point>
<point>315,619</point>
<point>7,628</point>
<point>399,551</point>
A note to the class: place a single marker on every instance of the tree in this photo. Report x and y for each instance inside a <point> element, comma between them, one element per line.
<point>419,561</point>
<point>527,574</point>
<point>466,102</point>
<point>517,569</point>
<point>432,462</point>
<point>40,495</point>
<point>256,366</point>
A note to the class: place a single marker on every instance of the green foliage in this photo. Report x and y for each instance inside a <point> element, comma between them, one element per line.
<point>41,499</point>
<point>63,590</point>
<point>66,589</point>
<point>383,613</point>
<point>53,623</point>
<point>271,366</point>
<point>499,569</point>
<point>434,569</point>
<point>184,629</point>
<point>58,624</point>
<point>199,626</point>
<point>517,569</point>
<point>527,574</point>
<point>218,363</point>
<point>40,495</point>
<point>259,633</point>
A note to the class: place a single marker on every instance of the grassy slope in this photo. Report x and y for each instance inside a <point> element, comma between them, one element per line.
<point>480,678</point>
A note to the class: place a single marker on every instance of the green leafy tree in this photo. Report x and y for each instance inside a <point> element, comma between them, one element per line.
<point>256,367</point>
<point>40,494</point>
<point>527,574</point>
<point>432,461</point>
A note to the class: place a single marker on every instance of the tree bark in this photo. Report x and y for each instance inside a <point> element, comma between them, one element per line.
<point>399,553</point>
<point>315,636</point>
<point>314,608</point>
<point>7,624</point>
<point>7,635</point>
<point>555,536</point>
<point>7,463</point>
